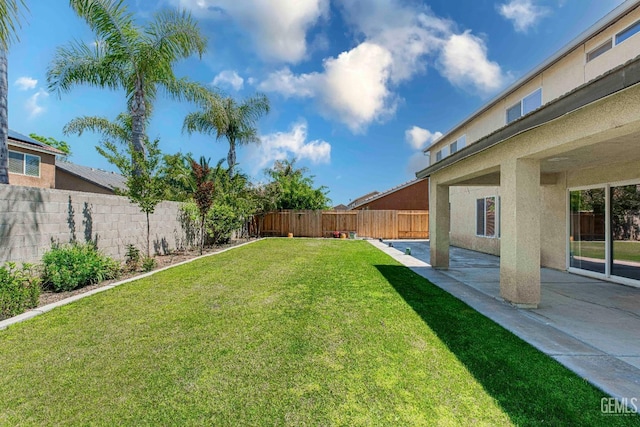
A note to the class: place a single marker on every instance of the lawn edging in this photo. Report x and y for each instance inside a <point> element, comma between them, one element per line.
<point>45,308</point>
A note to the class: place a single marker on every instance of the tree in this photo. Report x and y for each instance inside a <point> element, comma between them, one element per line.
<point>9,21</point>
<point>55,143</point>
<point>203,194</point>
<point>143,172</point>
<point>144,185</point>
<point>291,189</point>
<point>125,56</point>
<point>236,122</point>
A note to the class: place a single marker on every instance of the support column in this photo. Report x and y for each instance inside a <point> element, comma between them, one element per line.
<point>439,224</point>
<point>520,232</point>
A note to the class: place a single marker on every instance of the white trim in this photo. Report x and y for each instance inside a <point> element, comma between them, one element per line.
<point>32,147</point>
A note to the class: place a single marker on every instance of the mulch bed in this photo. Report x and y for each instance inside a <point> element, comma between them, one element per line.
<point>48,297</point>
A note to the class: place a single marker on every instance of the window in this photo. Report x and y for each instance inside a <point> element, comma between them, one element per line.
<point>627,32</point>
<point>458,144</point>
<point>438,155</point>
<point>24,164</point>
<point>599,50</point>
<point>486,217</point>
<point>525,105</point>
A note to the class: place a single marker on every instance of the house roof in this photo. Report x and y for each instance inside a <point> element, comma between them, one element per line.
<point>582,38</point>
<point>359,200</point>
<point>23,141</point>
<point>340,207</point>
<point>99,177</point>
<point>376,195</point>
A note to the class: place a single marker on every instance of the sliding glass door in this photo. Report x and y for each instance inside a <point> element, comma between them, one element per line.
<point>604,230</point>
<point>625,231</point>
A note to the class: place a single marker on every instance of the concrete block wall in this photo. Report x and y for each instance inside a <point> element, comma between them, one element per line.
<point>30,218</point>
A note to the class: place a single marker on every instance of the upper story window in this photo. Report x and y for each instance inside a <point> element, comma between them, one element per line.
<point>525,105</point>
<point>599,50</point>
<point>627,32</point>
<point>438,155</point>
<point>458,144</point>
<point>24,164</point>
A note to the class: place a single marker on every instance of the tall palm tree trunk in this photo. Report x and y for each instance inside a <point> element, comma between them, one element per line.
<point>4,119</point>
<point>231,157</point>
<point>138,117</point>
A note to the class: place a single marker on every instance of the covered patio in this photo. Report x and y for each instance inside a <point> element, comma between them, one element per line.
<point>586,324</point>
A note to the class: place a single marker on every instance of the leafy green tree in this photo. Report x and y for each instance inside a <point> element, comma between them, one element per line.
<point>138,60</point>
<point>290,188</point>
<point>9,21</point>
<point>143,181</point>
<point>143,172</point>
<point>55,143</point>
<point>236,122</point>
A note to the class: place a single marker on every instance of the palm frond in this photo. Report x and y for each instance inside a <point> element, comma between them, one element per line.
<point>81,63</point>
<point>119,130</point>
<point>201,122</point>
<point>9,21</point>
<point>175,34</point>
<point>110,21</point>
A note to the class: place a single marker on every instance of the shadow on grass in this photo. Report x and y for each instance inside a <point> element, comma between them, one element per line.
<point>531,387</point>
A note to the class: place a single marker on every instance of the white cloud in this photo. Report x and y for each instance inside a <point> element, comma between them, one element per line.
<point>230,78</point>
<point>278,27</point>
<point>464,63</point>
<point>420,138</point>
<point>26,83</point>
<point>283,145</point>
<point>523,13</point>
<point>351,89</point>
<point>32,104</point>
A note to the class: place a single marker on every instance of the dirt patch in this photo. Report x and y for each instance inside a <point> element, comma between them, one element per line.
<point>48,297</point>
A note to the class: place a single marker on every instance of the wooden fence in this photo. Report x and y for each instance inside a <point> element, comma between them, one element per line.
<point>375,224</point>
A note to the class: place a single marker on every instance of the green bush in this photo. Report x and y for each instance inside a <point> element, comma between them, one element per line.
<point>67,267</point>
<point>132,258</point>
<point>148,264</point>
<point>19,289</point>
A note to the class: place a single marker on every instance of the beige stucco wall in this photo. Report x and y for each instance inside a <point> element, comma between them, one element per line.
<point>47,177</point>
<point>463,219</point>
<point>601,126</point>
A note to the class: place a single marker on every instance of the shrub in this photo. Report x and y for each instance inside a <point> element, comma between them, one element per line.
<point>67,267</point>
<point>148,264</point>
<point>19,289</point>
<point>132,258</point>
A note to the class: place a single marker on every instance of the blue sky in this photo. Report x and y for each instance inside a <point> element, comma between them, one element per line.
<point>358,87</point>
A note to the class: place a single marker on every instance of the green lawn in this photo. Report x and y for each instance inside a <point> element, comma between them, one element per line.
<point>623,250</point>
<point>283,332</point>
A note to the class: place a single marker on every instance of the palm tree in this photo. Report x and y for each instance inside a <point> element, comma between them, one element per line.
<point>9,10</point>
<point>237,124</point>
<point>126,56</point>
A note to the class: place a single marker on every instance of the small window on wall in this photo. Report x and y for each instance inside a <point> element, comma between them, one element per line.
<point>438,155</point>
<point>628,32</point>
<point>599,50</point>
<point>458,144</point>
<point>486,222</point>
<point>24,164</point>
<point>525,105</point>
<point>453,147</point>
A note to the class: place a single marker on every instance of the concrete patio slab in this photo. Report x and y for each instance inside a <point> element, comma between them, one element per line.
<point>588,325</point>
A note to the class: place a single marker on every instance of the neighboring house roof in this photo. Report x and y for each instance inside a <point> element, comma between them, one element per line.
<point>340,207</point>
<point>378,195</point>
<point>361,198</point>
<point>99,177</point>
<point>20,140</point>
<point>590,32</point>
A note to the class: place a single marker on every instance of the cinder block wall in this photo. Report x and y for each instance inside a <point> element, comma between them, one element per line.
<point>31,217</point>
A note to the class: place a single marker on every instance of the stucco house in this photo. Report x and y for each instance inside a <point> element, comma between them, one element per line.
<point>548,172</point>
<point>31,163</point>
<point>407,196</point>
<point>70,176</point>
